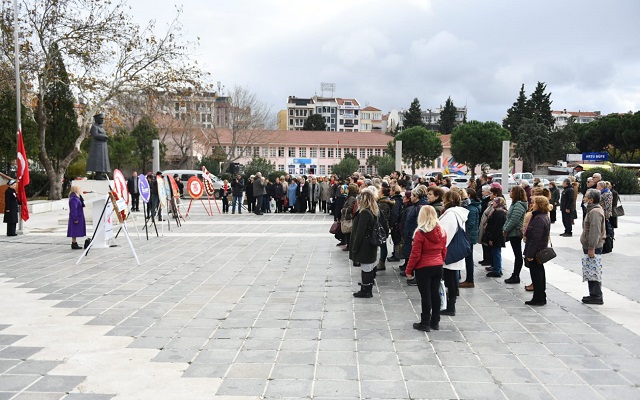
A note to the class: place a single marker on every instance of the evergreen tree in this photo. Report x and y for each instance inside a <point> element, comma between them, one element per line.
<point>144,132</point>
<point>539,106</point>
<point>413,117</point>
<point>448,117</point>
<point>419,147</point>
<point>121,149</point>
<point>8,129</point>
<point>315,122</point>
<point>61,117</point>
<point>516,114</point>
<point>347,166</point>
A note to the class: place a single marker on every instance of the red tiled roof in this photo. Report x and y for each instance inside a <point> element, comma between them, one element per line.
<point>369,108</point>
<point>281,137</point>
<point>341,101</point>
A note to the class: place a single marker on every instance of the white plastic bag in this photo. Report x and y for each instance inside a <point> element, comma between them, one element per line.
<point>443,296</point>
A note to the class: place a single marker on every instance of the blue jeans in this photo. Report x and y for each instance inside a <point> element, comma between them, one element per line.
<point>237,199</point>
<point>496,259</point>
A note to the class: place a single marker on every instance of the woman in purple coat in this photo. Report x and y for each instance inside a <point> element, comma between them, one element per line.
<point>77,226</point>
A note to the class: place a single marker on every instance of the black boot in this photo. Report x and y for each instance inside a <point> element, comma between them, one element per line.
<point>595,293</point>
<point>75,246</point>
<point>366,288</point>
<point>423,325</point>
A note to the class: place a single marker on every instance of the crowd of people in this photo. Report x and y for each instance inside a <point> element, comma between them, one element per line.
<point>423,216</point>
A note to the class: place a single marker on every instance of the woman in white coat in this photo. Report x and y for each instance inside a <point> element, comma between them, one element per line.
<point>454,216</point>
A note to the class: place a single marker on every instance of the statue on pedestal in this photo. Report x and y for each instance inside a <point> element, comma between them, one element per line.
<point>98,160</point>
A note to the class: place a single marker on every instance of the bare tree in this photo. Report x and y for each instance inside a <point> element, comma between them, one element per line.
<point>105,53</point>
<point>240,121</point>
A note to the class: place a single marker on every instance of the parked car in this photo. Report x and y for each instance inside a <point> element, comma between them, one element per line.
<point>519,176</point>
<point>497,177</point>
<point>461,181</point>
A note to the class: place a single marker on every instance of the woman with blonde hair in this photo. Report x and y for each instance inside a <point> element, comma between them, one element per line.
<point>361,250</point>
<point>537,235</point>
<point>427,257</point>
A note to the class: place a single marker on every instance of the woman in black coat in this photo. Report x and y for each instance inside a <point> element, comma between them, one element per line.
<point>537,238</point>
<point>360,248</point>
<point>11,207</point>
<point>494,236</point>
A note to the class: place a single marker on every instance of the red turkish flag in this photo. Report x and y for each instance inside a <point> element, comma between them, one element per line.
<point>22,174</point>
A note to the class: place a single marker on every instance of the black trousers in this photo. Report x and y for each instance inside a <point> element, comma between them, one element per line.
<point>135,201</point>
<point>11,228</point>
<point>257,207</point>
<point>516,246</point>
<point>539,279</point>
<point>225,204</point>
<point>428,280</point>
<point>450,278</point>
<point>567,221</point>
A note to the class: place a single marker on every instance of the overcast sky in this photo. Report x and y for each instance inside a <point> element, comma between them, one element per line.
<point>386,53</point>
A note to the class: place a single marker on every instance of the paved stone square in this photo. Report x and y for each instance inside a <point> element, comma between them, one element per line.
<point>248,307</point>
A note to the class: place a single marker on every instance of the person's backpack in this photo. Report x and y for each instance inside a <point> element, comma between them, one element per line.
<point>378,235</point>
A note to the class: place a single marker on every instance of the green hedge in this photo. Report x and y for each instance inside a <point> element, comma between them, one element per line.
<point>625,181</point>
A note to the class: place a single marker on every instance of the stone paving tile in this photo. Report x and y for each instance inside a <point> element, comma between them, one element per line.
<point>289,327</point>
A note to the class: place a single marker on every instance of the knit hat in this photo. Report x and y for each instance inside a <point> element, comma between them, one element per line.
<point>496,185</point>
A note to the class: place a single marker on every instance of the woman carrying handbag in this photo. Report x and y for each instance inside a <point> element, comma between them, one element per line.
<point>537,235</point>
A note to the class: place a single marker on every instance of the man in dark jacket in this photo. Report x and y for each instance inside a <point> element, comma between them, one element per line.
<point>259,190</point>
<point>237,186</point>
<point>11,202</point>
<point>132,188</point>
<point>567,208</point>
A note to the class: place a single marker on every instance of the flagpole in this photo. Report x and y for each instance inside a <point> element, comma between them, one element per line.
<point>16,46</point>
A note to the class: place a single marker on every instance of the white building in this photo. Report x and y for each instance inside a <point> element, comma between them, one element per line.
<point>340,115</point>
<point>562,117</point>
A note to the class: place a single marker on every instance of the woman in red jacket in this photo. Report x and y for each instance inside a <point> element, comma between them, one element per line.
<point>427,258</point>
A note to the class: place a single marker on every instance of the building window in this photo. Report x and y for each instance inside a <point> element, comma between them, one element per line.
<point>322,152</point>
<point>265,152</point>
<point>280,151</point>
<point>281,167</point>
<point>329,169</point>
<point>291,113</point>
<point>322,170</point>
<point>272,152</point>
<point>330,152</point>
<point>313,152</point>
<point>354,151</point>
<point>369,152</point>
<point>362,153</point>
<point>369,169</point>
<point>339,153</point>
<point>319,110</point>
<point>361,169</point>
<point>292,152</point>
<point>341,121</point>
<point>290,121</point>
<point>333,120</point>
<point>256,151</point>
<point>302,151</point>
<point>377,152</point>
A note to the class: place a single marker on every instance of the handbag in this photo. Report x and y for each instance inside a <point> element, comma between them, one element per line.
<point>442,292</point>
<point>546,254</point>
<point>619,210</point>
<point>346,225</point>
<point>335,227</point>
<point>459,247</point>
<point>378,235</point>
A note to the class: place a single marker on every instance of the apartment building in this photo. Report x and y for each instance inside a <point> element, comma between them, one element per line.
<point>340,115</point>
<point>562,117</point>
<point>298,110</point>
<point>205,109</point>
<point>370,119</point>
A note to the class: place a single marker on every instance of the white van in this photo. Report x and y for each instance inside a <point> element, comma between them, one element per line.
<point>185,174</point>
